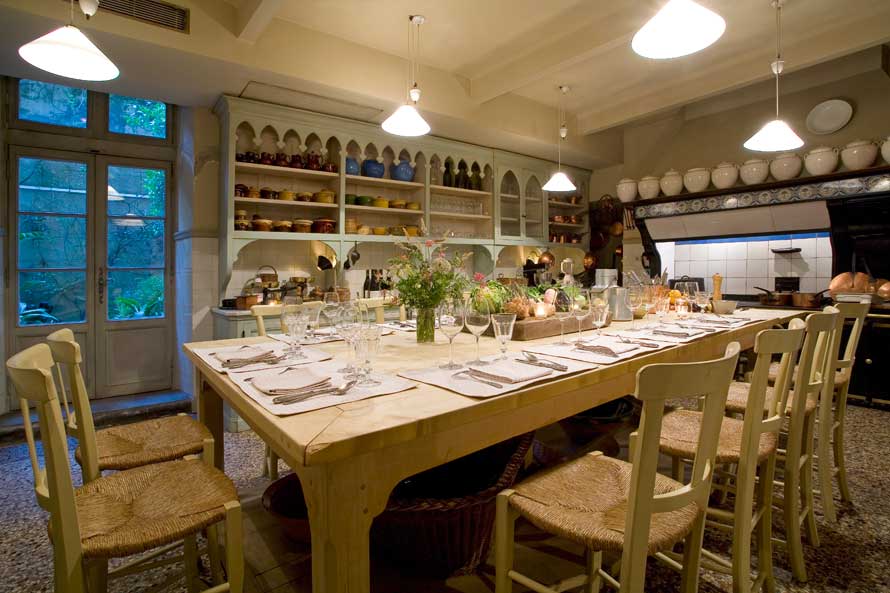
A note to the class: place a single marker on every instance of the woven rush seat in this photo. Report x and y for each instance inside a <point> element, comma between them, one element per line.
<point>840,376</point>
<point>679,437</point>
<point>737,400</point>
<point>150,441</point>
<point>128,513</point>
<point>585,500</point>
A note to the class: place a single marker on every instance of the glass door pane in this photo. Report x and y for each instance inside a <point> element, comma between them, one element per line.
<point>51,241</point>
<point>534,209</point>
<point>136,240</point>
<point>510,210</point>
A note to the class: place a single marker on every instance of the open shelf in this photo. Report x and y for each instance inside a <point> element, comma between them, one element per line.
<point>356,238</point>
<point>510,197</point>
<point>465,241</point>
<point>461,215</point>
<point>382,182</point>
<point>258,169</point>
<point>457,191</point>
<point>398,211</point>
<point>575,245</point>
<point>568,225</point>
<point>557,204</point>
<point>284,236</point>
<point>286,203</point>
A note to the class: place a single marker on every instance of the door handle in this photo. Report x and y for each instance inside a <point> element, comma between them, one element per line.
<point>100,285</point>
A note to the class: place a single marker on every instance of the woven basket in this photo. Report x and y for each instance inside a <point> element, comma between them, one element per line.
<point>447,536</point>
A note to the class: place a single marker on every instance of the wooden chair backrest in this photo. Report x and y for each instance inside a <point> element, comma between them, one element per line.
<point>31,373</point>
<point>259,311</point>
<point>856,313</point>
<point>66,353</point>
<point>814,356</point>
<point>708,381</point>
<point>375,305</point>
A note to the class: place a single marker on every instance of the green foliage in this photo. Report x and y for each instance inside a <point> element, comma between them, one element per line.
<point>146,299</point>
<point>426,275</point>
<point>492,293</point>
<point>141,117</point>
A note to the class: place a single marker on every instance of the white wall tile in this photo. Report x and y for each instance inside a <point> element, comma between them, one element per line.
<point>823,267</point>
<point>757,281</point>
<point>699,252</point>
<point>823,247</point>
<point>716,267</point>
<point>807,247</point>
<point>737,250</point>
<point>735,286</point>
<point>808,284</point>
<point>736,268</point>
<point>682,252</point>
<point>699,269</point>
<point>780,244</point>
<point>822,283</point>
<point>779,267</point>
<point>801,267</point>
<point>716,251</point>
<point>757,268</point>
<point>758,250</point>
<point>681,268</point>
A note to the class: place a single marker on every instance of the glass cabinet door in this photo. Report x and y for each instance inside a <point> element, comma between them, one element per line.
<point>533,211</point>
<point>510,206</point>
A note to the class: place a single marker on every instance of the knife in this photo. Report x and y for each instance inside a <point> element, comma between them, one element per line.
<point>553,366</point>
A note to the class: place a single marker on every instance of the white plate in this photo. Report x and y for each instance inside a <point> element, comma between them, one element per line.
<point>829,116</point>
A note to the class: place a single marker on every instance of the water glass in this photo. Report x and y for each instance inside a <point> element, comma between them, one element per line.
<point>563,306</point>
<point>349,323</point>
<point>599,315</point>
<point>503,330</point>
<point>368,346</point>
<point>313,314</point>
<point>633,297</point>
<point>294,325</point>
<point>331,307</point>
<point>662,308</point>
<point>477,320</point>
<point>450,315</point>
<point>581,309</point>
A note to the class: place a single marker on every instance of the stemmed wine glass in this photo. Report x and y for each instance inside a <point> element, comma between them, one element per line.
<point>368,345</point>
<point>563,305</point>
<point>599,314</point>
<point>450,314</point>
<point>662,308</point>
<point>477,320</point>
<point>331,307</point>
<point>702,298</point>
<point>503,330</point>
<point>349,324</point>
<point>295,326</point>
<point>313,314</point>
<point>581,309</point>
<point>633,297</point>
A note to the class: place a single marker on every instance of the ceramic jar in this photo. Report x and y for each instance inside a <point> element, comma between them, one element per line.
<point>352,167</point>
<point>671,183</point>
<point>822,160</point>
<point>372,168</point>
<point>649,187</point>
<point>402,172</point>
<point>697,179</point>
<point>725,175</point>
<point>754,171</point>
<point>786,166</point>
<point>885,150</point>
<point>626,190</point>
<point>859,154</point>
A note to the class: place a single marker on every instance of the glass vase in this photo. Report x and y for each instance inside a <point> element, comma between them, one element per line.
<point>426,325</point>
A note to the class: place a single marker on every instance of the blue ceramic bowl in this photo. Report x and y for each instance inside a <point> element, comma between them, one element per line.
<point>371,168</point>
<point>402,172</point>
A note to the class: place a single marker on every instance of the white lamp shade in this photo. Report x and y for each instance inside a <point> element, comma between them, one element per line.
<point>67,52</point>
<point>773,137</point>
<point>559,182</point>
<point>405,121</point>
<point>680,28</point>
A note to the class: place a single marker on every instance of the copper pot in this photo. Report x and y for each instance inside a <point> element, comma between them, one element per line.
<point>810,300</point>
<point>774,299</point>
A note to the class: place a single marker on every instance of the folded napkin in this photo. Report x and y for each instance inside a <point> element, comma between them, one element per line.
<point>290,381</point>
<point>242,354</point>
<point>677,333</point>
<point>510,371</point>
<point>613,348</point>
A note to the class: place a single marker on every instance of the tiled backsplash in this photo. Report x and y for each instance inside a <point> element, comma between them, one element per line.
<point>746,262</point>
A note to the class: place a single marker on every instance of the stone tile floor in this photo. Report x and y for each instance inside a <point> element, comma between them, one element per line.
<point>853,556</point>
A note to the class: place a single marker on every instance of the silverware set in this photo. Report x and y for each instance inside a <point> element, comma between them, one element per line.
<point>470,375</point>
<point>597,349</point>
<point>266,357</point>
<point>324,388</point>
<point>533,360</point>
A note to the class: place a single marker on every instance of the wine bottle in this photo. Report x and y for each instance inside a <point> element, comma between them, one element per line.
<point>366,287</point>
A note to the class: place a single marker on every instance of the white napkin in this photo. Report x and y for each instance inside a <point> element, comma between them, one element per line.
<point>238,354</point>
<point>617,347</point>
<point>289,381</point>
<point>509,371</point>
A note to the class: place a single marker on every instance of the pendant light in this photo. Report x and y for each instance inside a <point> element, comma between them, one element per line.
<point>559,181</point>
<point>68,52</point>
<point>775,135</point>
<point>406,121</point>
<point>680,28</point>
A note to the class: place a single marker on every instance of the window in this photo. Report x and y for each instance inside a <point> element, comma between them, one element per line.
<point>53,104</point>
<point>138,117</point>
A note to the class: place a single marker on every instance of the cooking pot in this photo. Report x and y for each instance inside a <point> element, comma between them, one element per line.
<point>265,276</point>
<point>774,299</point>
<point>810,300</point>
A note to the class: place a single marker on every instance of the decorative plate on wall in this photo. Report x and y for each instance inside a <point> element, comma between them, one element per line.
<point>829,116</point>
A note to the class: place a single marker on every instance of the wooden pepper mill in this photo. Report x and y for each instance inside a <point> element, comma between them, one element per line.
<point>718,293</point>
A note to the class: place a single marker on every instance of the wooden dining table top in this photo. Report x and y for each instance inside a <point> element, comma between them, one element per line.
<point>338,432</point>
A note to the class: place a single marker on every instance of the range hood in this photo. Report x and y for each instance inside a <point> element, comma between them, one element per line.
<point>783,218</point>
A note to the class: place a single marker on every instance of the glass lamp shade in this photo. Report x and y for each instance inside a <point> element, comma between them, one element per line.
<point>67,52</point>
<point>680,28</point>
<point>405,121</point>
<point>773,137</point>
<point>559,182</point>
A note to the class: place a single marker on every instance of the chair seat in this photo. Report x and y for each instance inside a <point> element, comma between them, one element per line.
<point>136,510</point>
<point>585,500</point>
<point>679,437</point>
<point>737,400</point>
<point>150,441</point>
<point>840,376</point>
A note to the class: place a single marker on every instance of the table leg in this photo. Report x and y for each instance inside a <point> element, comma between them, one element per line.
<point>210,413</point>
<point>343,500</point>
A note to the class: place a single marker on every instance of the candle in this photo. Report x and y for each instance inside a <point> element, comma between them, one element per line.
<point>541,310</point>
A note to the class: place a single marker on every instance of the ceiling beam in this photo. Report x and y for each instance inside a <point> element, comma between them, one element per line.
<point>253,18</point>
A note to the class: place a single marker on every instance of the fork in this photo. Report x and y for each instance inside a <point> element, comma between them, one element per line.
<point>466,375</point>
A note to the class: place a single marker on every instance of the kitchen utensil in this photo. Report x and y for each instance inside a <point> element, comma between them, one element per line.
<point>774,299</point>
<point>253,193</point>
<point>292,399</point>
<point>467,375</point>
<point>810,300</point>
<point>538,361</point>
<point>240,190</point>
<point>350,199</point>
<point>642,343</point>
<point>829,116</point>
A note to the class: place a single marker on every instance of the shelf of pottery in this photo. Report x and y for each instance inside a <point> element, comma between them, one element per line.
<point>857,155</point>
<point>533,214</point>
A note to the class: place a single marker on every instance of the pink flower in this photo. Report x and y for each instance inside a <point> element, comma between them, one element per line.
<point>479,277</point>
<point>430,243</point>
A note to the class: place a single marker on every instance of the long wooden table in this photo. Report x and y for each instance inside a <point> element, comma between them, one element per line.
<point>350,457</point>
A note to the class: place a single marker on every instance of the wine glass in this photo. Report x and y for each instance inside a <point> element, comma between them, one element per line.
<point>581,309</point>
<point>450,314</point>
<point>599,314</point>
<point>503,330</point>
<point>331,307</point>
<point>633,297</point>
<point>477,320</point>
<point>702,298</point>
<point>294,323</point>
<point>313,314</point>
<point>349,323</point>
<point>662,308</point>
<point>369,344</point>
<point>563,305</point>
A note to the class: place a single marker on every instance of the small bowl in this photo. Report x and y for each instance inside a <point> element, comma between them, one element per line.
<point>724,307</point>
<point>400,204</point>
<point>411,231</point>
<point>323,225</point>
<point>413,206</point>
<point>304,196</point>
<point>261,224</point>
<point>364,200</point>
<point>287,195</point>
<point>281,226</point>
<point>350,199</point>
<point>301,225</point>
<point>379,230</point>
<point>380,203</point>
<point>324,196</point>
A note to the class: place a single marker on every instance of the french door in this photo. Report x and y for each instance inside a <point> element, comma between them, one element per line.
<point>90,250</point>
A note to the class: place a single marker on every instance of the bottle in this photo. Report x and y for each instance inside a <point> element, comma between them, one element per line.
<point>366,287</point>
<point>448,177</point>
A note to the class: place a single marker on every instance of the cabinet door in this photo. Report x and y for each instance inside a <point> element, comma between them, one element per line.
<point>511,211</point>
<point>533,209</point>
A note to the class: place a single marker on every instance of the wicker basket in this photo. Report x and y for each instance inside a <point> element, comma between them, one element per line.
<point>447,536</point>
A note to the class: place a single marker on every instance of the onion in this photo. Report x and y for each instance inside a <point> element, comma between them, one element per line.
<point>884,290</point>
<point>860,282</point>
<point>842,282</point>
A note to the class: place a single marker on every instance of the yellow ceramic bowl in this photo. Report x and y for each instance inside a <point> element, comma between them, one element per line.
<point>325,196</point>
<point>287,195</point>
<point>380,203</point>
<point>413,206</point>
<point>379,230</point>
<point>411,231</point>
<point>397,204</point>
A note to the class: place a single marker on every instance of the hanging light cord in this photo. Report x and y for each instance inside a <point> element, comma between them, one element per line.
<point>72,13</point>
<point>559,123</point>
<point>413,53</point>
<point>777,69</point>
